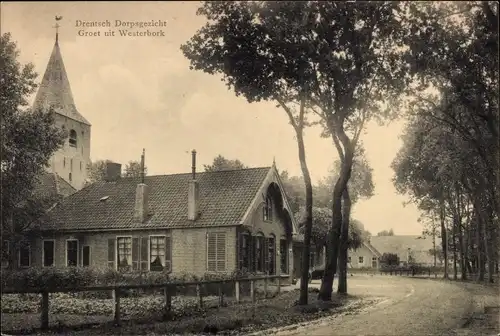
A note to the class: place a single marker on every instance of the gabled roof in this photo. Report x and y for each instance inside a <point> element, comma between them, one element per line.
<point>51,186</point>
<point>224,198</point>
<point>419,246</point>
<point>55,90</point>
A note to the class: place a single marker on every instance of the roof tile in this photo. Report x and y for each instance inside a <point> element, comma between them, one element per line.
<point>224,198</point>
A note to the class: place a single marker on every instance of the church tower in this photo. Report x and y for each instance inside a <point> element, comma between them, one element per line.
<point>71,160</point>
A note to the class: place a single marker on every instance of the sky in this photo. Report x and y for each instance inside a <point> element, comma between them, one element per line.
<point>138,92</point>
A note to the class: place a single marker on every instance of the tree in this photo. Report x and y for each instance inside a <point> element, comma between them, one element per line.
<point>97,170</point>
<point>389,259</point>
<point>221,163</point>
<point>257,58</point>
<point>134,169</point>
<point>28,140</point>
<point>386,233</point>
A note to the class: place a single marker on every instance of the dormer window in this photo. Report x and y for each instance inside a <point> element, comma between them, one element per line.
<point>268,209</point>
<point>72,138</point>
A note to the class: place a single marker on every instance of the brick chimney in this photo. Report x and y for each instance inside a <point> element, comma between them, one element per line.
<point>193,191</point>
<point>141,195</point>
<point>113,171</point>
<point>141,202</point>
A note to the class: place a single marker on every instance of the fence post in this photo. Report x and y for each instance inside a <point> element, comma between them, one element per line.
<point>237,291</point>
<point>45,310</point>
<point>221,294</point>
<point>252,290</point>
<point>116,296</point>
<point>168,301</point>
<point>199,293</point>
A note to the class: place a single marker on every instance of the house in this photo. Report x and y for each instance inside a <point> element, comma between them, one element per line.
<point>193,223</point>
<point>366,256</point>
<point>411,248</point>
<point>49,188</point>
<point>415,249</point>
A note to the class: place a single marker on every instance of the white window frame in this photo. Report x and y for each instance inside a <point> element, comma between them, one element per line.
<point>53,251</point>
<point>149,251</point>
<point>77,252</point>
<point>116,249</point>
<point>19,257</point>
<point>225,251</point>
<point>361,260</point>
<point>90,255</point>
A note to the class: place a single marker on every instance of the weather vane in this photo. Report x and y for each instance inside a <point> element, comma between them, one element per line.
<point>58,18</point>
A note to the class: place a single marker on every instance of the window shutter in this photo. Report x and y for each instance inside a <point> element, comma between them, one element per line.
<point>135,254</point>
<point>111,253</point>
<point>168,253</point>
<point>144,253</point>
<point>251,258</point>
<point>212,252</point>
<point>221,252</point>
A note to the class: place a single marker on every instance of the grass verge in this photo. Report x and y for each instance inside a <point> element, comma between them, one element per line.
<point>279,311</point>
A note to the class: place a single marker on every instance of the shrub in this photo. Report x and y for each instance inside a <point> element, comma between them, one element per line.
<point>52,278</point>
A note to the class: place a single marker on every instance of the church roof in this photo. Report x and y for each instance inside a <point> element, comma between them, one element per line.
<point>55,90</point>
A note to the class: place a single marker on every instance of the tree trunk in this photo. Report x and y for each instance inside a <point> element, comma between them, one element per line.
<point>344,237</point>
<point>308,224</point>
<point>461,244</point>
<point>444,238</point>
<point>325,292</point>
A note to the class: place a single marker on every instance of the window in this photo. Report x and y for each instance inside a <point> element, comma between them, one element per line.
<point>71,164</point>
<point>72,252</point>
<point>159,253</point>
<point>86,256</point>
<point>259,251</point>
<point>134,254</point>
<point>25,256</point>
<point>70,177</point>
<point>268,209</point>
<point>283,256</point>
<point>361,260</point>
<point>124,253</point>
<point>64,162</point>
<point>245,248</point>
<point>80,165</point>
<point>349,259</point>
<point>216,252</point>
<point>374,261</point>
<point>48,253</point>
<point>72,138</point>
<point>272,255</point>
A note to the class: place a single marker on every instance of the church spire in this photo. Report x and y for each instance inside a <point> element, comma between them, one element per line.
<point>55,90</point>
<point>58,18</point>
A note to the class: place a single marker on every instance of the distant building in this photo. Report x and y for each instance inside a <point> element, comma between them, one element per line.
<point>408,248</point>
<point>71,160</point>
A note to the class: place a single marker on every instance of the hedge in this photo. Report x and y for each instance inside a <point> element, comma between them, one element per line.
<point>53,278</point>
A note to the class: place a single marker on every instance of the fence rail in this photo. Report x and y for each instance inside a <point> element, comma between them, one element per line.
<point>168,291</point>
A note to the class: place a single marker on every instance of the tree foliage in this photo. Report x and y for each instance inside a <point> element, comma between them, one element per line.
<point>221,163</point>
<point>449,161</point>
<point>389,259</point>
<point>28,140</point>
<point>134,169</point>
<point>386,233</point>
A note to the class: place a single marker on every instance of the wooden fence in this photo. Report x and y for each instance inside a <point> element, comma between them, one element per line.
<point>168,290</point>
